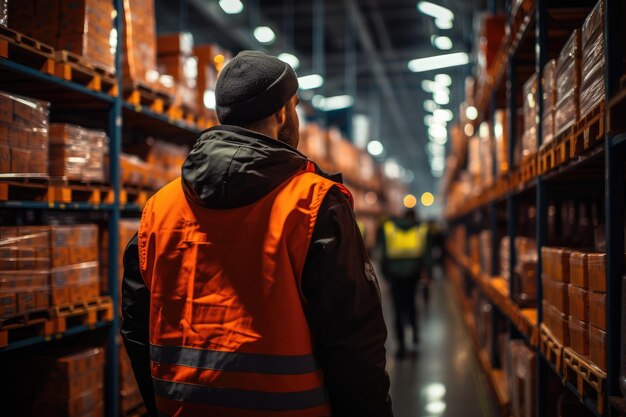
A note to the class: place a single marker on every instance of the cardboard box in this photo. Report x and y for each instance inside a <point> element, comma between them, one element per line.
<point>180,43</point>
<point>8,306</point>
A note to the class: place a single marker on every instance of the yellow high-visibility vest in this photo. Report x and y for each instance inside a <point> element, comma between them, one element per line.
<point>402,244</point>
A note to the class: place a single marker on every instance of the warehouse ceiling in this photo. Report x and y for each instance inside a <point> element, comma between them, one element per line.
<point>361,47</point>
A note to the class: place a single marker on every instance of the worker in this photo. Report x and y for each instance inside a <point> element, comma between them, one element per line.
<point>247,290</point>
<point>402,245</point>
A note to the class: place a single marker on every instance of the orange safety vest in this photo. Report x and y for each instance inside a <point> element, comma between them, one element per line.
<point>228,334</point>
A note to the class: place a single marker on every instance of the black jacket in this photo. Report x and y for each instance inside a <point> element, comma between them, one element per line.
<point>231,167</point>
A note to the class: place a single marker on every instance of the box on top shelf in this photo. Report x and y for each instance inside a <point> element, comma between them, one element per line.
<point>592,89</point>
<point>174,58</point>
<point>139,45</point>
<point>529,138</point>
<point>568,84</point>
<point>549,100</point>
<point>23,135</point>
<point>4,12</point>
<point>211,59</point>
<point>78,153</point>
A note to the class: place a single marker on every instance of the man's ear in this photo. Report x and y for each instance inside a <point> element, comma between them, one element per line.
<point>281,116</point>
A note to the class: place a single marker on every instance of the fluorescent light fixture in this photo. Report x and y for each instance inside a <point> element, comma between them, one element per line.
<point>434,10</point>
<point>434,407</point>
<point>375,148</point>
<point>392,169</point>
<point>429,119</point>
<point>309,82</point>
<point>265,35</point>
<point>209,99</point>
<point>443,79</point>
<point>231,6</point>
<point>437,174</point>
<point>442,42</point>
<point>471,112</point>
<point>332,103</point>
<point>430,106</point>
<point>439,140</point>
<point>444,24</point>
<point>441,97</point>
<point>290,59</point>
<point>443,115</point>
<point>438,62</point>
<point>433,86</point>
<point>436,150</point>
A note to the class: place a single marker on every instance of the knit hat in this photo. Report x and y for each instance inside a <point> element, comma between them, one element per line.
<point>252,87</point>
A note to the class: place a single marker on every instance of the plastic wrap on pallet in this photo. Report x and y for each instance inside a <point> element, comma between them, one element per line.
<point>549,100</point>
<point>500,132</point>
<point>529,139</point>
<point>592,89</point>
<point>23,135</point>
<point>521,377</point>
<point>568,84</point>
<point>174,58</point>
<point>4,12</point>
<point>77,153</point>
<point>139,48</point>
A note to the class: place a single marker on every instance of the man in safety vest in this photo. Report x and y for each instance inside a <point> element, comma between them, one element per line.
<point>403,242</point>
<point>247,290</point>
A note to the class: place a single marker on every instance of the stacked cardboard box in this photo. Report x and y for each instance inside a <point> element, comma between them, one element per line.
<point>175,57</point>
<point>525,271</point>
<point>568,84</point>
<point>24,269</point>
<point>77,153</point>
<point>86,29</point>
<point>549,100</point>
<point>67,384</point>
<point>593,60</point>
<point>23,135</point>
<point>521,378</point>
<point>83,27</point>
<point>139,48</point>
<point>207,77</point>
<point>529,138</point>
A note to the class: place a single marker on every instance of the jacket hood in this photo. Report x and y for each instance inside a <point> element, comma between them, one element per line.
<point>232,167</point>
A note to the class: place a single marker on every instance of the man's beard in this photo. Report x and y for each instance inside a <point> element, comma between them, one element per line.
<point>289,134</point>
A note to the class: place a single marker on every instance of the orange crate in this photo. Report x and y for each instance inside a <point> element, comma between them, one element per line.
<point>578,269</point>
<point>578,302</point>
<point>579,335</point>
<point>597,347</point>
<point>596,267</point>
<point>597,309</point>
<point>556,294</point>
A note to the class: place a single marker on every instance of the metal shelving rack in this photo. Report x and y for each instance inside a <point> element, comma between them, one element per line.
<point>509,189</point>
<point>118,112</point>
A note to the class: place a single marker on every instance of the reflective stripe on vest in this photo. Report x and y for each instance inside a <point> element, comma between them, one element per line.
<point>227,328</point>
<point>404,244</point>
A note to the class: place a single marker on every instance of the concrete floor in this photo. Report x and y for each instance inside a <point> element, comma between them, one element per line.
<point>444,378</point>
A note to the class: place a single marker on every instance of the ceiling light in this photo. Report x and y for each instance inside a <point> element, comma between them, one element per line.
<point>209,99</point>
<point>443,79</point>
<point>443,114</point>
<point>471,112</point>
<point>433,86</point>
<point>309,82</point>
<point>468,129</point>
<point>410,201</point>
<point>434,407</point>
<point>264,34</point>
<point>441,98</point>
<point>231,6</point>
<point>442,42</point>
<point>430,106</point>
<point>332,103</point>
<point>429,119</point>
<point>437,131</point>
<point>290,59</point>
<point>375,148</point>
<point>436,150</point>
<point>438,62</point>
<point>439,140</point>
<point>434,10</point>
<point>443,23</point>
<point>427,200</point>
<point>392,169</point>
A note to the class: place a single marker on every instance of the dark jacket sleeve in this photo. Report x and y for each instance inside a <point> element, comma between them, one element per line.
<point>135,319</point>
<point>342,303</point>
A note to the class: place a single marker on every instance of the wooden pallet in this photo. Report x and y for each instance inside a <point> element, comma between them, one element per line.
<point>82,313</point>
<point>54,191</point>
<point>586,377</point>
<point>563,143</point>
<point>135,195</point>
<point>528,168</point>
<point>25,325</point>
<point>590,129</point>
<point>73,67</point>
<point>141,94</point>
<point>546,157</point>
<point>26,50</point>
<point>551,348</point>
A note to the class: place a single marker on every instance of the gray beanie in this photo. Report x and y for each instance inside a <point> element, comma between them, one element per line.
<point>252,87</point>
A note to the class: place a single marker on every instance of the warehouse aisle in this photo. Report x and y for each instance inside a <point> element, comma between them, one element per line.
<point>444,379</point>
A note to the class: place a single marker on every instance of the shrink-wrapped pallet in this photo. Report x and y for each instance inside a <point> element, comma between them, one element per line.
<point>568,84</point>
<point>139,44</point>
<point>592,90</point>
<point>77,153</point>
<point>529,138</point>
<point>549,101</point>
